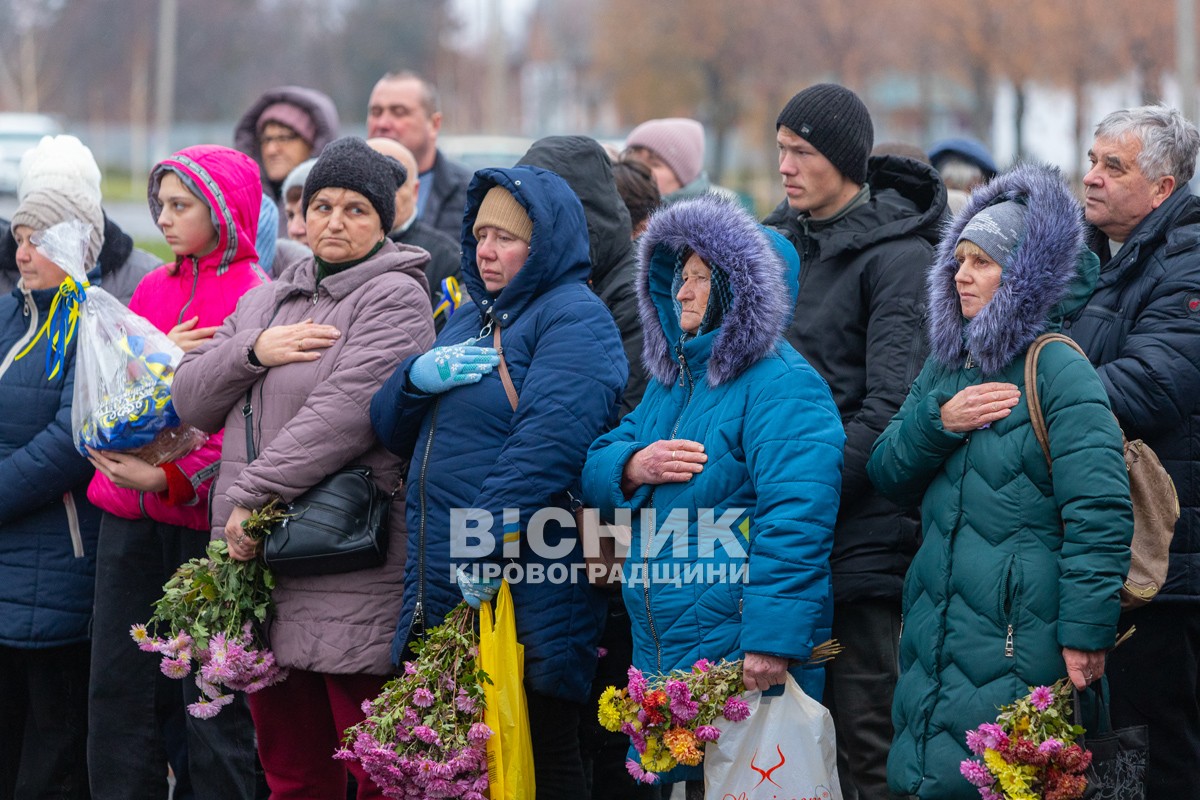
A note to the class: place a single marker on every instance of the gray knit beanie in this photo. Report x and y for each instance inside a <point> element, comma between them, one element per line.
<point>997,230</point>
<point>42,209</point>
<point>832,119</point>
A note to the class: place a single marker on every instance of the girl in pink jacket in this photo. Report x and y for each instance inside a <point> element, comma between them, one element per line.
<point>206,201</point>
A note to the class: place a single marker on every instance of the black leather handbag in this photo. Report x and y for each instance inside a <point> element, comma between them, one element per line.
<point>339,525</point>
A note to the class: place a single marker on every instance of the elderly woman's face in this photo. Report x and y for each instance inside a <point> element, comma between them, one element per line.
<point>342,225</point>
<point>977,278</point>
<point>37,271</point>
<point>693,294</point>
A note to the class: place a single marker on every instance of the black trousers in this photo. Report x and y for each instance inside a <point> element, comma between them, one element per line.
<point>554,734</point>
<point>131,703</point>
<point>859,685</point>
<point>43,723</point>
<point>1154,680</point>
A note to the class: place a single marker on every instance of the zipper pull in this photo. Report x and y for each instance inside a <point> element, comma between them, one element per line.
<point>314,297</point>
<point>1008,643</point>
<point>970,362</point>
<point>417,627</point>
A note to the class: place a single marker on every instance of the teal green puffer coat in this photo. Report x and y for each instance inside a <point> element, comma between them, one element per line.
<point>1014,566</point>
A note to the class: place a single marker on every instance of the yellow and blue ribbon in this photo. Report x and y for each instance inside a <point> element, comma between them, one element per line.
<point>451,297</point>
<point>60,325</point>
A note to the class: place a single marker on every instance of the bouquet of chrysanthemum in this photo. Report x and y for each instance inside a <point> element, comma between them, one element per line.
<point>424,735</point>
<point>669,718</point>
<point>1029,752</point>
<point>214,608</point>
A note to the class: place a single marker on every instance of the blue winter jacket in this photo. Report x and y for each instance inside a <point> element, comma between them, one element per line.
<point>471,451</point>
<point>755,576</point>
<point>47,527</point>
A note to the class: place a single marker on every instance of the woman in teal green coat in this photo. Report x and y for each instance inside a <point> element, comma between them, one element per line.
<point>1017,579</point>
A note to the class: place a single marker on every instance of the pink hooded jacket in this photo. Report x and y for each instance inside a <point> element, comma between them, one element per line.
<point>207,287</point>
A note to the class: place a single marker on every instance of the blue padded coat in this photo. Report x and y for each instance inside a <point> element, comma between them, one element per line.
<point>470,450</point>
<point>755,576</point>
<point>48,528</point>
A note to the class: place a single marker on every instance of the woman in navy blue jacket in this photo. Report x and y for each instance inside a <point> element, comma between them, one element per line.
<point>736,423</point>
<point>48,529</point>
<point>526,264</point>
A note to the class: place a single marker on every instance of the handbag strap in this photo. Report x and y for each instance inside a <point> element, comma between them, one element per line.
<point>1036,418</point>
<point>1096,697</point>
<point>505,378</point>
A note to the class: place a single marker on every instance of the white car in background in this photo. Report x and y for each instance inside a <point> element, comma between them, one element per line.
<point>20,132</point>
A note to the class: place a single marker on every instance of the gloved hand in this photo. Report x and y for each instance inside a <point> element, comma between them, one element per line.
<point>444,368</point>
<point>476,593</point>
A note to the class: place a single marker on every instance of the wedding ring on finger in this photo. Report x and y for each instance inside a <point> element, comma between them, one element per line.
<point>673,456</point>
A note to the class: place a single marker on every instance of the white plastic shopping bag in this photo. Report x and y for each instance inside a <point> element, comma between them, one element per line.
<point>786,749</point>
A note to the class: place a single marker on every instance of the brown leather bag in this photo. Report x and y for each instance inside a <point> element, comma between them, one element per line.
<point>1155,502</point>
<point>600,566</point>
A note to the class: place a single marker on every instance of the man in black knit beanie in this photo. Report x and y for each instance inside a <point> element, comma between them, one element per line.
<point>865,228</point>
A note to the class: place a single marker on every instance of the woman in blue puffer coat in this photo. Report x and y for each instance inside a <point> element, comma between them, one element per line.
<point>48,529</point>
<point>526,264</point>
<point>735,421</point>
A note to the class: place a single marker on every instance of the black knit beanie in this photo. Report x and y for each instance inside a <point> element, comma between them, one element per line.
<point>833,120</point>
<point>348,163</point>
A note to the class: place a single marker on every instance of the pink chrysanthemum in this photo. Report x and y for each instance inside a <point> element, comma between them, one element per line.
<point>637,684</point>
<point>638,774</point>
<point>975,773</point>
<point>735,709</point>
<point>708,733</point>
<point>479,733</point>
<point>422,697</point>
<point>1041,697</point>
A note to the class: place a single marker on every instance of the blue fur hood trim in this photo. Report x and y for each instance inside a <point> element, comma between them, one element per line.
<point>1038,277</point>
<point>723,234</point>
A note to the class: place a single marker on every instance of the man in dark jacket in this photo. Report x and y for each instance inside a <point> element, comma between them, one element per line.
<point>404,107</point>
<point>445,254</point>
<point>1141,329</point>
<point>865,229</point>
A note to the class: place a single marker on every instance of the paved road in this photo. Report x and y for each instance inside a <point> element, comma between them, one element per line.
<point>134,218</point>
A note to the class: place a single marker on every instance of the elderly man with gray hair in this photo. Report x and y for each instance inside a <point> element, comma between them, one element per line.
<point>1141,329</point>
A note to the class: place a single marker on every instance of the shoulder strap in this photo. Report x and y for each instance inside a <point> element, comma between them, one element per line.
<point>1036,418</point>
<point>248,416</point>
<point>505,378</point>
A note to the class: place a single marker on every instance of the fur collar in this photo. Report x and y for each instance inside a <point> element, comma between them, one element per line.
<point>724,235</point>
<point>1038,277</point>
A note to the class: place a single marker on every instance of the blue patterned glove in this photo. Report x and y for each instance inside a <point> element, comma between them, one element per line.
<point>476,593</point>
<point>444,368</point>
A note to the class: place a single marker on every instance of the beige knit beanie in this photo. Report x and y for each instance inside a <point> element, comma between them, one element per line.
<point>500,209</point>
<point>42,209</point>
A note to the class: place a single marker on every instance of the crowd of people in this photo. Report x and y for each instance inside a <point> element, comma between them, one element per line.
<point>841,387</point>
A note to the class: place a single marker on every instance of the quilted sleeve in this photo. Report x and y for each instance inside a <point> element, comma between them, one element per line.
<point>793,439</point>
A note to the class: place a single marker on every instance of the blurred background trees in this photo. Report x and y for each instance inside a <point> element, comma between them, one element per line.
<point>1012,73</point>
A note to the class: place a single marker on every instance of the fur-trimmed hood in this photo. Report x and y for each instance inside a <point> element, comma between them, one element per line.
<point>763,272</point>
<point>1050,275</point>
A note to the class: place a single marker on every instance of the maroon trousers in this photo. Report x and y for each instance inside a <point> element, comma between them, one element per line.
<point>300,724</point>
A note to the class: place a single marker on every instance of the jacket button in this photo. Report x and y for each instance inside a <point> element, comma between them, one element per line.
<point>504,316</point>
<point>1067,324</point>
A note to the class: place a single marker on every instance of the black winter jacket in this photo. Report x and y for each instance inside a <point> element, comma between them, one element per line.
<point>860,322</point>
<point>447,201</point>
<point>1142,331</point>
<point>584,165</point>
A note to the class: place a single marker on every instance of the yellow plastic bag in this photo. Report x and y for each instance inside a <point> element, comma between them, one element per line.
<point>509,750</point>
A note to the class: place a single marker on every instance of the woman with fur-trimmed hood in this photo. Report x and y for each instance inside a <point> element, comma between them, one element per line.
<point>736,421</point>
<point>1016,582</point>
